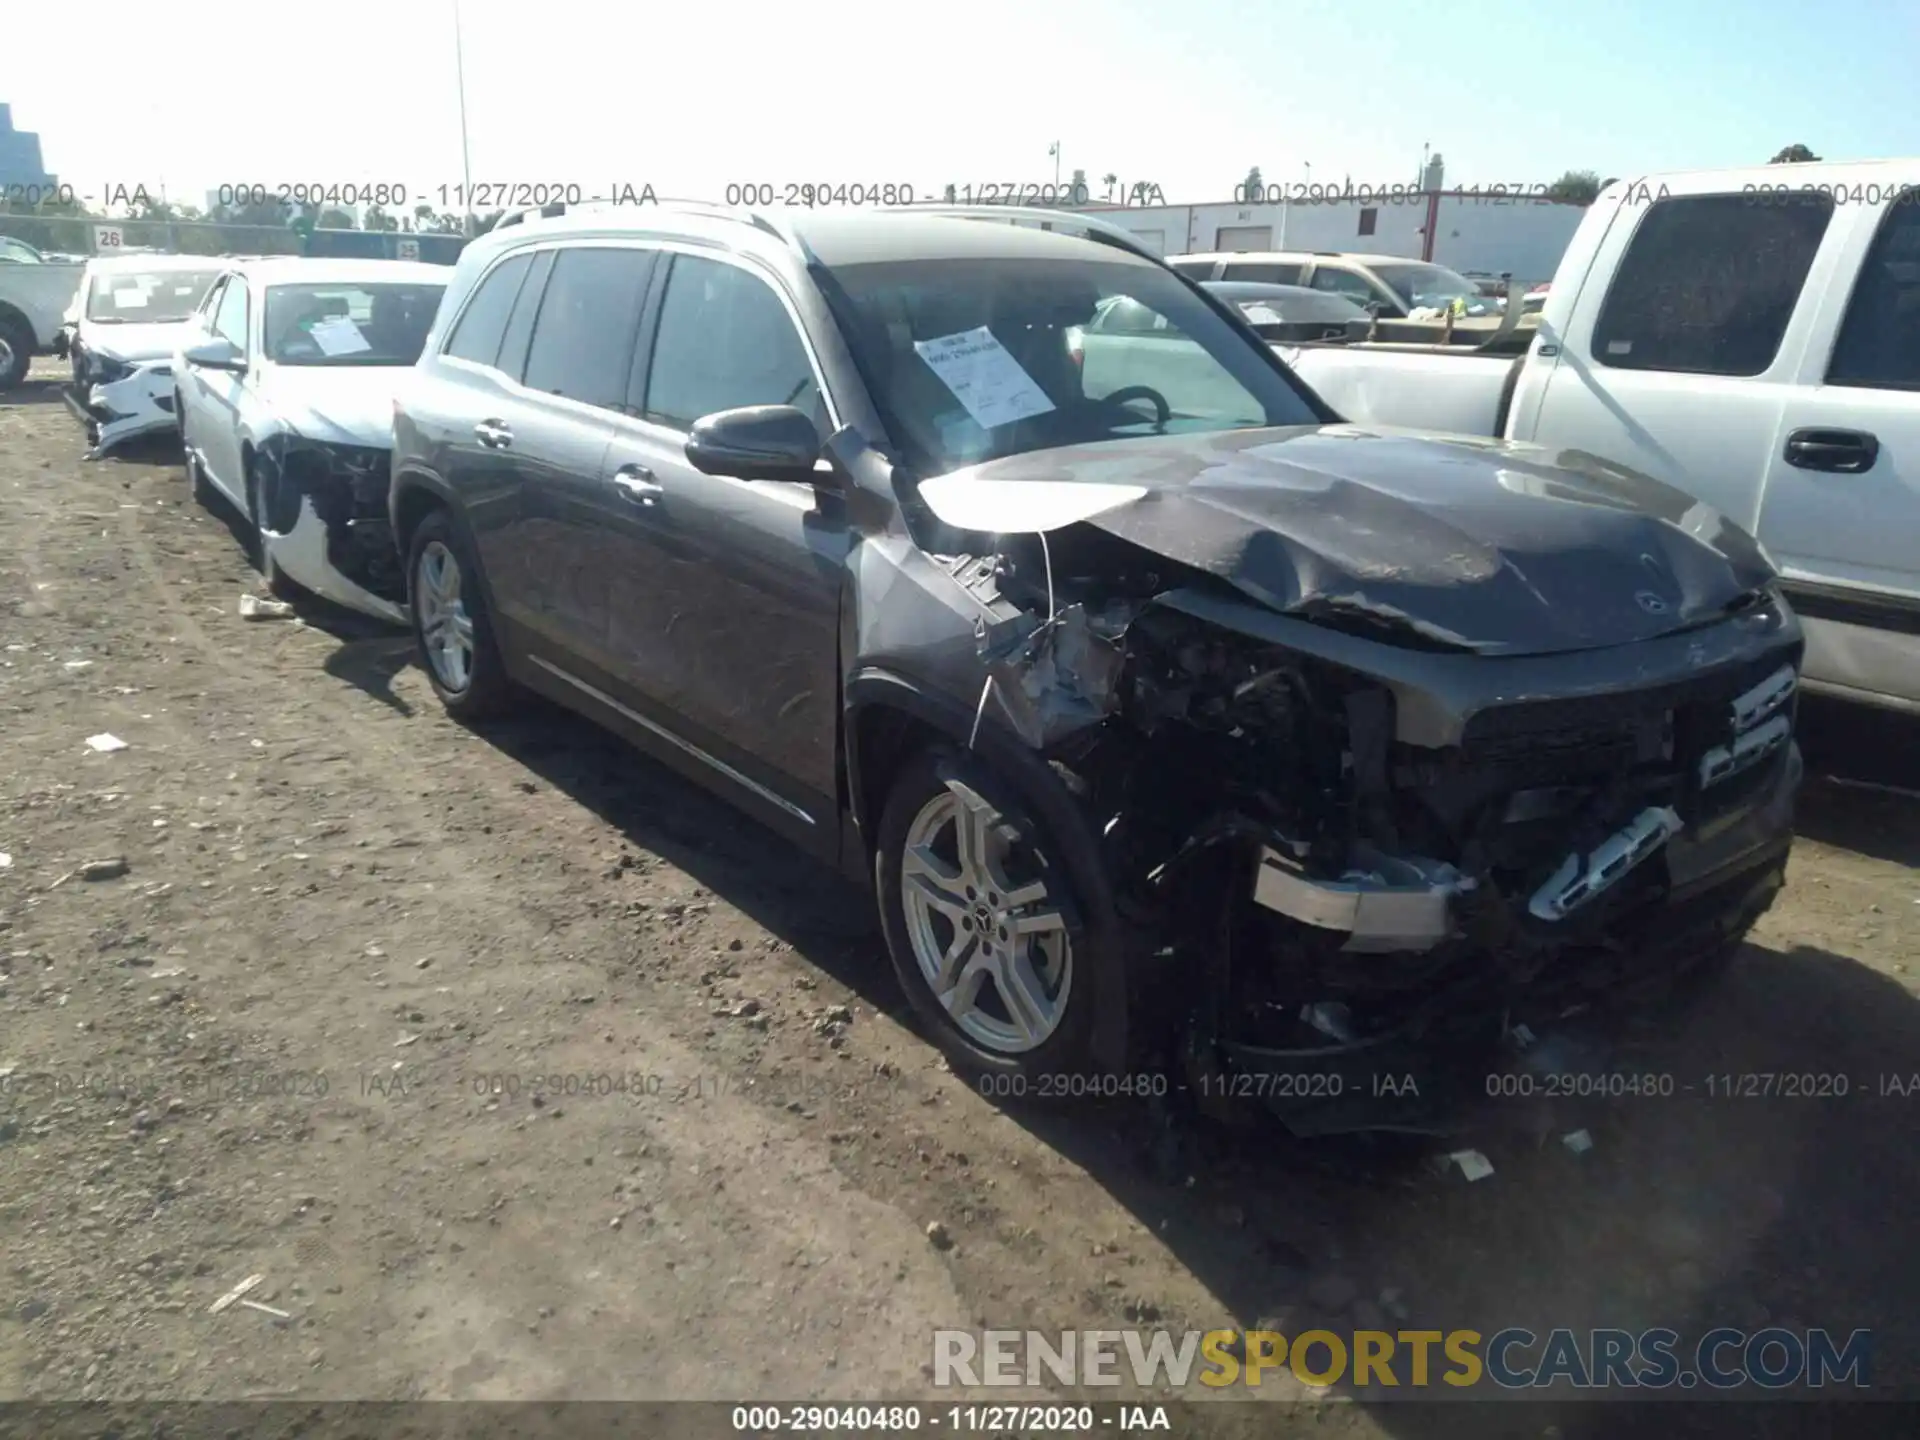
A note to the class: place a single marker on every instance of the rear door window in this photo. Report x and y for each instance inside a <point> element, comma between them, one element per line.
<point>1344,282</point>
<point>476,335</point>
<point>583,340</point>
<point>1879,344</point>
<point>513,348</point>
<point>726,340</point>
<point>1194,269</point>
<point>1709,282</point>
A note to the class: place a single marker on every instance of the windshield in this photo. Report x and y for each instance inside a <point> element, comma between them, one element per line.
<point>976,359</point>
<point>349,323</point>
<point>147,297</point>
<point>1432,286</point>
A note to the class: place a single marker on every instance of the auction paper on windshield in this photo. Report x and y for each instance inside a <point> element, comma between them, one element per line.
<point>984,377</point>
<point>337,335</point>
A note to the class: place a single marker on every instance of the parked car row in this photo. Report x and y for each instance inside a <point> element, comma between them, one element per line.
<point>1014,574</point>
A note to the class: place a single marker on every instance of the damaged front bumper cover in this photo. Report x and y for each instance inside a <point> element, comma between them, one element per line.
<point>325,522</point>
<point>116,411</point>
<point>1429,1074</point>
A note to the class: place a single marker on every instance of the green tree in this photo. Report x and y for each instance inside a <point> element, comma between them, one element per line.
<point>1077,187</point>
<point>1109,180</point>
<point>1793,155</point>
<point>483,223</point>
<point>1580,187</point>
<point>336,220</point>
<point>1253,187</point>
<point>1145,192</point>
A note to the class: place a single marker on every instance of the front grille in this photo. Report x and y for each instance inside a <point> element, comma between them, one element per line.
<point>1603,719</point>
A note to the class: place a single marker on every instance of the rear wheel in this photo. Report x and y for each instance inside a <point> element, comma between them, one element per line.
<point>203,492</point>
<point>16,351</point>
<point>451,624</point>
<point>981,917</point>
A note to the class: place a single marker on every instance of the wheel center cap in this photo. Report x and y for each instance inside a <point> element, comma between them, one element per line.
<point>983,916</point>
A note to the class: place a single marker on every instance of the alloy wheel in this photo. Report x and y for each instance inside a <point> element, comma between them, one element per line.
<point>446,629</point>
<point>986,927</point>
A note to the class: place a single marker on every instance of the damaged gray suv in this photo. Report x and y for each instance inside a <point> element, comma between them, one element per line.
<point>1166,713</point>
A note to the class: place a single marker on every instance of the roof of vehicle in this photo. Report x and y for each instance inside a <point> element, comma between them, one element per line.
<point>843,236</point>
<point>312,270</point>
<point>1360,257</point>
<point>147,264</point>
<point>1808,174</point>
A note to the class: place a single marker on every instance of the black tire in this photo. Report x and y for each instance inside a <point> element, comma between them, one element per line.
<point>18,351</point>
<point>1067,1052</point>
<point>204,494</point>
<point>488,691</point>
<point>279,584</point>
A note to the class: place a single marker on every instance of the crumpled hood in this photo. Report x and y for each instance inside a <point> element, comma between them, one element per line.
<point>1496,547</point>
<point>339,404</point>
<point>136,344</point>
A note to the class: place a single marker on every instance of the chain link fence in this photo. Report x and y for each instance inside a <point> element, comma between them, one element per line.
<point>93,235</point>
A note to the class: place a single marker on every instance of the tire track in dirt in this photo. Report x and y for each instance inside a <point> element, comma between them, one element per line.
<point>876,1303</point>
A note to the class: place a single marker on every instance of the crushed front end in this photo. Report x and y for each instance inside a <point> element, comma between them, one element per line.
<point>1356,859</point>
<point>324,511</point>
<point>120,400</point>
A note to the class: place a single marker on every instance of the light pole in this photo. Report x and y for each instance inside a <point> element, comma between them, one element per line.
<point>466,165</point>
<point>1054,151</point>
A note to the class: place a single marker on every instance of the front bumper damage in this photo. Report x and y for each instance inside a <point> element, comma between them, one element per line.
<point>325,522</point>
<point>1354,861</point>
<point>121,401</point>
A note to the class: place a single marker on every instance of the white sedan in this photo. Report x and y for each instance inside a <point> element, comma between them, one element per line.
<point>125,323</point>
<point>286,384</point>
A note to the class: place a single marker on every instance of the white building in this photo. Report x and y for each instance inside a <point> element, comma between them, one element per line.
<point>1461,229</point>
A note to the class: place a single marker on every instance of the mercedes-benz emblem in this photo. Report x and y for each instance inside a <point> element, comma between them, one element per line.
<point>1651,603</point>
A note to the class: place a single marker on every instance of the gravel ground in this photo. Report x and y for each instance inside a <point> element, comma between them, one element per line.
<point>343,923</point>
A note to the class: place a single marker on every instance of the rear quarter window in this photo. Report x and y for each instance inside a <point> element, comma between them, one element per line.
<point>1709,282</point>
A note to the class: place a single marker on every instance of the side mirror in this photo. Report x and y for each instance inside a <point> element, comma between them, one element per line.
<point>756,442</point>
<point>216,353</point>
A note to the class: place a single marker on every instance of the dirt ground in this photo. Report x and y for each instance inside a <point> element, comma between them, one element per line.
<point>272,1047</point>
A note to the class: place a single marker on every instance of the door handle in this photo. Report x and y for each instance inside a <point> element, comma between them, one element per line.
<point>1845,452</point>
<point>637,484</point>
<point>494,434</point>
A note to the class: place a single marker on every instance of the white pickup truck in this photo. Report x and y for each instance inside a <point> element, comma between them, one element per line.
<point>34,296</point>
<point>1750,336</point>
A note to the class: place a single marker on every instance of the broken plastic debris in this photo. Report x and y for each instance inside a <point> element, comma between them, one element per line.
<point>6,861</point>
<point>254,607</point>
<point>251,1282</point>
<point>1521,1035</point>
<point>266,1309</point>
<point>104,742</point>
<point>1472,1163</point>
<point>1578,1141</point>
<point>77,664</point>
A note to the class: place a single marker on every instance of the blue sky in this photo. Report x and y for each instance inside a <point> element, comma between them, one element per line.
<point>692,97</point>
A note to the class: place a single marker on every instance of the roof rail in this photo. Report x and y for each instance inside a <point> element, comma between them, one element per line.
<point>1095,229</point>
<point>778,230</point>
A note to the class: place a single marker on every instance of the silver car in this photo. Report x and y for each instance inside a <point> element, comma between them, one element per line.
<point>285,386</point>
